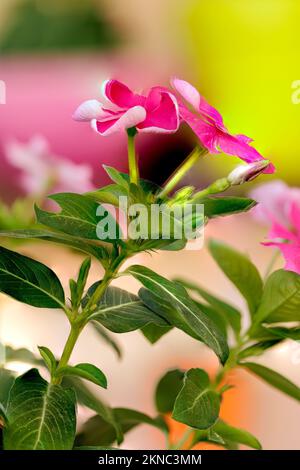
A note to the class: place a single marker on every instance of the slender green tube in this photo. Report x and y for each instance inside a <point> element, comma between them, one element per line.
<point>188,163</point>
<point>132,159</point>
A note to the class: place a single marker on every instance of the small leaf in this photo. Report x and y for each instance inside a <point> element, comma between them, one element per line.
<point>82,217</point>
<point>7,378</point>
<point>257,349</point>
<point>96,432</point>
<point>171,301</point>
<point>232,434</point>
<point>273,378</point>
<point>116,176</point>
<point>167,390</point>
<point>85,371</point>
<point>109,194</point>
<point>40,416</point>
<point>107,338</point>
<point>120,311</point>
<point>224,206</point>
<point>197,404</point>
<point>281,298</point>
<point>231,314</point>
<point>241,272</point>
<point>21,355</point>
<point>29,281</point>
<point>48,357</point>
<point>285,333</point>
<point>153,332</point>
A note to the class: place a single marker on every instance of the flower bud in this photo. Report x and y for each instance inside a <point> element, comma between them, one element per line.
<point>243,173</point>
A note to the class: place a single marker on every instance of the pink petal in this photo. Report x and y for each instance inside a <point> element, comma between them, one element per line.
<point>120,122</point>
<point>295,216</point>
<point>120,95</point>
<point>279,231</point>
<point>206,133</point>
<point>187,91</point>
<point>162,112</point>
<point>89,110</point>
<point>244,138</point>
<point>234,146</point>
<point>291,254</point>
<point>209,111</point>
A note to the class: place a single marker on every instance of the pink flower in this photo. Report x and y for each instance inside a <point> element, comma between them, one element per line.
<point>123,109</point>
<point>207,123</point>
<point>42,171</point>
<point>279,207</point>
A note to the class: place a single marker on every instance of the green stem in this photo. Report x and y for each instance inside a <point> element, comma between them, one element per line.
<point>68,349</point>
<point>216,187</point>
<point>271,264</point>
<point>188,163</point>
<point>132,160</point>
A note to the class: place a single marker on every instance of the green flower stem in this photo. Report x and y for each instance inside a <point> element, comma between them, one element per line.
<point>132,159</point>
<point>188,163</point>
<point>216,187</point>
<point>79,322</point>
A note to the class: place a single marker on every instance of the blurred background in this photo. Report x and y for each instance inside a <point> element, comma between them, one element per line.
<point>243,56</point>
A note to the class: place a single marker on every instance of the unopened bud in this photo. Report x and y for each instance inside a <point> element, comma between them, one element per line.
<point>243,173</point>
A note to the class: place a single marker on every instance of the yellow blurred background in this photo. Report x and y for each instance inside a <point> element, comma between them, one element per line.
<point>243,55</point>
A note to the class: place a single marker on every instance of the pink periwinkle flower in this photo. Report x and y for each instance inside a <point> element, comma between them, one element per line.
<point>279,207</point>
<point>122,109</point>
<point>208,125</point>
<point>42,171</point>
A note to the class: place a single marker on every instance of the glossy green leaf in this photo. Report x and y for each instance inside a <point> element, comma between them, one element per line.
<point>170,300</point>
<point>121,312</point>
<point>29,281</point>
<point>48,358</point>
<point>284,333</point>
<point>232,434</point>
<point>116,176</point>
<point>197,404</point>
<point>107,338</point>
<point>241,272</point>
<point>85,371</point>
<point>96,432</point>
<point>90,247</point>
<point>281,298</point>
<point>80,216</point>
<point>7,378</point>
<point>167,390</point>
<point>230,313</point>
<point>273,378</point>
<point>87,398</point>
<point>224,206</point>
<point>40,416</point>
<point>153,332</point>
<point>109,194</point>
<point>257,349</point>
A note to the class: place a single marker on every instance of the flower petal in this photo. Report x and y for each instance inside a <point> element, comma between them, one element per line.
<point>162,112</point>
<point>206,132</point>
<point>187,91</point>
<point>120,121</point>
<point>235,146</point>
<point>120,95</point>
<point>88,110</point>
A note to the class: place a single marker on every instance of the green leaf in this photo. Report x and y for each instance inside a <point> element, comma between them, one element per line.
<point>41,416</point>
<point>214,315</point>
<point>154,332</point>
<point>95,448</point>
<point>223,206</point>
<point>109,194</point>
<point>171,301</point>
<point>48,357</point>
<point>80,216</point>
<point>86,246</point>
<point>167,390</point>
<point>21,355</point>
<point>230,313</point>
<point>120,311</point>
<point>241,272</point>
<point>197,404</point>
<point>232,434</point>
<point>107,338</point>
<point>86,398</point>
<point>96,432</point>
<point>281,298</point>
<point>7,378</point>
<point>273,378</point>
<point>116,176</point>
<point>85,371</point>
<point>29,281</point>
<point>258,348</point>
<point>285,333</point>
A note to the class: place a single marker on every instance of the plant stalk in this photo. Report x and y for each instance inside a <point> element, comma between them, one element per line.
<point>188,163</point>
<point>132,158</point>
